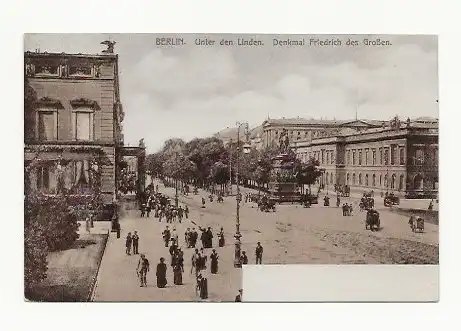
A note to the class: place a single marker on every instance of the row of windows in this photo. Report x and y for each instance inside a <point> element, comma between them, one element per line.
<point>74,70</point>
<point>376,156</point>
<point>82,123</point>
<point>325,157</point>
<point>375,181</point>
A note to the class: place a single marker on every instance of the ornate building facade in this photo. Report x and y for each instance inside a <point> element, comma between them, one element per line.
<point>402,158</point>
<point>73,122</point>
<point>300,129</point>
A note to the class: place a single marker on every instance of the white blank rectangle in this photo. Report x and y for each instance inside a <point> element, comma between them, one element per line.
<point>336,283</point>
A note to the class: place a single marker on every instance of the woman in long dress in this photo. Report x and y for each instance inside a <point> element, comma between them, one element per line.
<point>214,262</point>
<point>177,272</point>
<point>161,273</point>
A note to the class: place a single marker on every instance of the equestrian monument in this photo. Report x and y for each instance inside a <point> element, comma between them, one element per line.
<point>282,181</point>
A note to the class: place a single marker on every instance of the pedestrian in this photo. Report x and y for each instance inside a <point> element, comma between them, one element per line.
<point>193,237</point>
<point>142,270</point>
<point>214,262</point>
<point>166,236</point>
<point>177,271</point>
<point>87,225</point>
<point>173,251</point>
<point>209,238</point>
<point>203,259</point>
<point>259,253</point>
<point>244,258</point>
<point>238,298</point>
<point>148,209</point>
<point>143,209</point>
<point>174,237</point>
<point>203,238</point>
<point>186,212</point>
<point>128,243</point>
<point>221,238</point>
<point>180,258</point>
<point>195,262</point>
<point>203,202</point>
<point>202,285</point>
<point>135,240</point>
<point>187,237</point>
<point>161,273</point>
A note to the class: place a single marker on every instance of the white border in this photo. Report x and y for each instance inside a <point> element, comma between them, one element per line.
<point>390,16</point>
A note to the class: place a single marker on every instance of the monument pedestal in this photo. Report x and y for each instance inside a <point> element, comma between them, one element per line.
<point>282,185</point>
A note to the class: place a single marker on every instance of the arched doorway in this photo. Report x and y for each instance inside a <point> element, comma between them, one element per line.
<point>353,179</point>
<point>347,179</point>
<point>366,180</point>
<point>401,182</point>
<point>374,180</point>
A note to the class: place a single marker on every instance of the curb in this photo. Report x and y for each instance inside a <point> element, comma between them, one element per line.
<point>94,281</point>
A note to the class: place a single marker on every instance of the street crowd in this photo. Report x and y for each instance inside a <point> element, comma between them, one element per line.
<point>161,207</point>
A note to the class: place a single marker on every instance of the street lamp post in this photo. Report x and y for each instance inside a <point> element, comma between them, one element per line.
<point>229,190</point>
<point>238,235</point>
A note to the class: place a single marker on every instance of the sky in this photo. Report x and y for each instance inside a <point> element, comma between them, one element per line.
<point>193,91</point>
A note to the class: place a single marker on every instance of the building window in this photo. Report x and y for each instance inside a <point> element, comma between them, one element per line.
<point>366,180</point>
<point>419,156</point>
<point>47,70</point>
<point>393,179</point>
<point>43,178</point>
<point>360,157</point>
<point>401,183</point>
<point>381,159</point>
<point>83,124</point>
<point>326,178</point>
<point>386,156</point>
<point>360,179</point>
<point>402,156</point>
<point>84,71</point>
<point>373,180</point>
<point>380,180</point>
<point>347,179</point>
<point>386,184</point>
<point>47,124</point>
<point>366,157</point>
<point>348,160</point>
<point>353,179</point>
<point>393,154</point>
<point>374,156</point>
<point>323,156</point>
<point>331,178</point>
<point>418,182</point>
<point>332,158</point>
<point>353,157</point>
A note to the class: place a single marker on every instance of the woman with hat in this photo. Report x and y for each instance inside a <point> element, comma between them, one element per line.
<point>161,273</point>
<point>214,262</point>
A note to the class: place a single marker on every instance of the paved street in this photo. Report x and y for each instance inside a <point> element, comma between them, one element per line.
<point>291,235</point>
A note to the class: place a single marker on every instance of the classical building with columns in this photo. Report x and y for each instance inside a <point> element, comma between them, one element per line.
<point>301,129</point>
<point>397,157</point>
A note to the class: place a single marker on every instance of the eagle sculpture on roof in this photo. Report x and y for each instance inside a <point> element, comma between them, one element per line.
<point>110,46</point>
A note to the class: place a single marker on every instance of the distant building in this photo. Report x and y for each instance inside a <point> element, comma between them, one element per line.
<point>397,157</point>
<point>300,129</point>
<point>74,123</point>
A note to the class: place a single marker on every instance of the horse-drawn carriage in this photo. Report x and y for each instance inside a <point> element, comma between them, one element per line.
<point>390,199</point>
<point>416,224</point>
<point>366,202</point>
<point>372,220</point>
<point>266,205</point>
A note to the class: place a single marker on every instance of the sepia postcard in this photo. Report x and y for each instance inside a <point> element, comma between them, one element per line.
<point>231,168</point>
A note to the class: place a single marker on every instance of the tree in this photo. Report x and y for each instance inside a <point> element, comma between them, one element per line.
<point>307,173</point>
<point>219,174</point>
<point>154,163</point>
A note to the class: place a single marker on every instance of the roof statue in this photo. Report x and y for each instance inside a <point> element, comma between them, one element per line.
<point>110,46</point>
<point>141,143</point>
